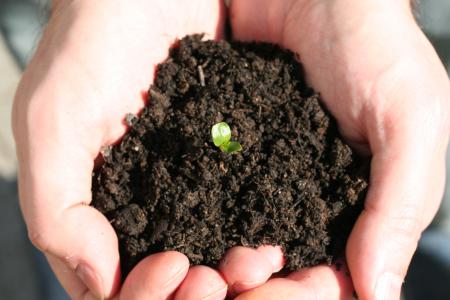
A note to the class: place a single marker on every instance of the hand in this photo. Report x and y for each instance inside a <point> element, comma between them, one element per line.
<point>95,60</point>
<point>383,82</point>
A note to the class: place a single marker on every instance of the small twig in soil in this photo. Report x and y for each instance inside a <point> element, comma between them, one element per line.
<point>206,63</point>
<point>201,75</point>
<point>243,110</point>
<point>222,167</point>
<point>157,96</point>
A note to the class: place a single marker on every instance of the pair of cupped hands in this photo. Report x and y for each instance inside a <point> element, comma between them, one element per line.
<point>376,72</point>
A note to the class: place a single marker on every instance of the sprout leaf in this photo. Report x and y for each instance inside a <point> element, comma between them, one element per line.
<point>232,147</point>
<point>221,134</point>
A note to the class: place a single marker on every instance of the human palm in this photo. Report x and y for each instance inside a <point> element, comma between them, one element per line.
<point>375,71</point>
<point>95,60</point>
<point>383,82</point>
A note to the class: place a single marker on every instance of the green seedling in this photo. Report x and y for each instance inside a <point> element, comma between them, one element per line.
<point>221,136</point>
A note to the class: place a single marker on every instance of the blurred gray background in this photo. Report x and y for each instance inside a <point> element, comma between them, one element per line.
<point>24,273</point>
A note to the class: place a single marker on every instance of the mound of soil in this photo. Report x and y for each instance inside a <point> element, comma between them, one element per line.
<point>295,183</point>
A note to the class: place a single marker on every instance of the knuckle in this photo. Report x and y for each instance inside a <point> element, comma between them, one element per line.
<point>39,238</point>
<point>405,227</point>
<point>401,226</point>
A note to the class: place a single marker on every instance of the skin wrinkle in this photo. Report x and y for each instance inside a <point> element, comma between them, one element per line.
<point>377,133</point>
<point>368,92</point>
<point>285,20</point>
<point>39,231</point>
<point>295,13</point>
<point>387,120</point>
<point>366,95</point>
<point>407,223</point>
<point>215,294</point>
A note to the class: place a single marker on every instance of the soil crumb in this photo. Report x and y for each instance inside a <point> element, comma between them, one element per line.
<point>296,184</point>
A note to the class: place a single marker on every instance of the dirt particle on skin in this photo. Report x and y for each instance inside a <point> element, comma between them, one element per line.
<point>295,183</point>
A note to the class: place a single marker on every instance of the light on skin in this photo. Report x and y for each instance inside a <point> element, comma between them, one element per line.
<point>376,72</point>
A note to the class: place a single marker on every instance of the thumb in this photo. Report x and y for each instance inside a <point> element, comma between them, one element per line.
<point>54,185</point>
<point>55,174</point>
<point>407,180</point>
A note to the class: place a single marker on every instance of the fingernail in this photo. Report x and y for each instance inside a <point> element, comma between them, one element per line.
<point>91,279</point>
<point>388,287</point>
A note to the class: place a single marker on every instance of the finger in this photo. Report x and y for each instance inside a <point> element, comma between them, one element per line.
<point>326,282</point>
<point>278,288</point>
<point>69,280</point>
<point>321,282</point>
<point>407,179</point>
<point>202,283</point>
<point>245,268</point>
<point>61,224</point>
<point>274,255</point>
<point>79,284</point>
<point>156,277</point>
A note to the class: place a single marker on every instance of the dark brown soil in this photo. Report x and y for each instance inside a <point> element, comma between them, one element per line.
<point>295,184</point>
